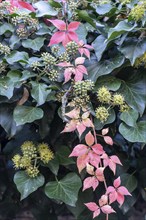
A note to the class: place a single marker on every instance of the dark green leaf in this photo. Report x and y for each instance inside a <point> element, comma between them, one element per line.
<point>134,134</point>
<point>63,156</point>
<point>99,45</point>
<point>53,165</point>
<point>17,56</point>
<point>6,27</point>
<point>129,181</point>
<point>39,92</point>
<point>111,82</point>
<point>83,14</point>
<point>65,189</point>
<point>44,8</point>
<point>129,117</point>
<point>6,87</point>
<point>133,48</point>
<point>27,114</point>
<point>27,185</point>
<point>104,67</point>
<point>35,44</point>
<point>120,28</point>
<point>104,9</point>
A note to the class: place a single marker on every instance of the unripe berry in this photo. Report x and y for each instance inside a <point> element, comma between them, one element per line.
<point>103,94</point>
<point>118,99</point>
<point>32,171</point>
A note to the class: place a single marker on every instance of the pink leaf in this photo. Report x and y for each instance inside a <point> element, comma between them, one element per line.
<point>92,206</point>
<point>57,38</point>
<point>67,75</point>
<point>107,209</point>
<point>81,69</point>
<point>90,182</point>
<point>82,161</point>
<point>98,149</point>
<point>71,126</point>
<point>73,113</point>
<point>90,169</point>
<point>110,189</point>
<point>78,76</point>
<point>123,191</point>
<point>105,131</point>
<point>64,64</point>
<point>115,159</point>
<point>120,199</point>
<point>79,60</point>
<point>94,159</point>
<point>96,213</point>
<point>89,138</point>
<point>117,182</point>
<point>99,174</point>
<point>80,128</point>
<point>79,150</point>
<point>88,123</point>
<point>112,166</point>
<point>112,197</point>
<point>58,24</point>
<point>21,4</point>
<point>73,26</point>
<point>108,140</point>
<point>72,36</point>
<point>103,200</point>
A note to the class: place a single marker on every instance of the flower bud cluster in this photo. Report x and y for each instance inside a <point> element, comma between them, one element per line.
<point>31,156</point>
<point>64,57</point>
<point>72,48</point>
<point>4,49</point>
<point>80,91</point>
<point>3,67</point>
<point>52,75</point>
<point>141,61</point>
<point>48,59</point>
<point>138,12</point>
<point>3,9</point>
<point>110,100</point>
<point>26,25</point>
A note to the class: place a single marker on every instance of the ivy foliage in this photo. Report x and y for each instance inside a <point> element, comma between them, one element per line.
<point>30,107</point>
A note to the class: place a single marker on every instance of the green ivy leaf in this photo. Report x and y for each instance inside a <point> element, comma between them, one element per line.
<point>104,67</point>
<point>17,56</point>
<point>65,189</point>
<point>39,92</point>
<point>53,165</point>
<point>6,87</point>
<point>44,8</point>
<point>134,93</point>
<point>63,156</point>
<point>27,114</point>
<point>6,27</point>
<point>133,48</point>
<point>129,117</point>
<point>111,82</point>
<point>134,134</point>
<point>86,17</point>
<point>27,185</point>
<point>35,44</point>
<point>104,9</point>
<point>99,45</point>
<point>129,181</point>
<point>120,28</point>
<point>14,40</point>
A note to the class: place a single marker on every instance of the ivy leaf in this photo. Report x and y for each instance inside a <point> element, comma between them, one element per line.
<point>17,56</point>
<point>6,87</point>
<point>120,28</point>
<point>133,48</point>
<point>63,156</point>
<point>86,17</point>
<point>35,44</point>
<point>99,45</point>
<point>104,9</point>
<point>104,67</point>
<point>134,93</point>
<point>111,82</point>
<point>134,134</point>
<point>65,189</point>
<point>39,92</point>
<point>44,8</point>
<point>27,114</point>
<point>129,181</point>
<point>129,117</point>
<point>27,185</point>
<point>14,40</point>
<point>6,27</point>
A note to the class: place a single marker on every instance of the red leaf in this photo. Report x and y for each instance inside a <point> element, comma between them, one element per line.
<point>59,24</point>
<point>57,38</point>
